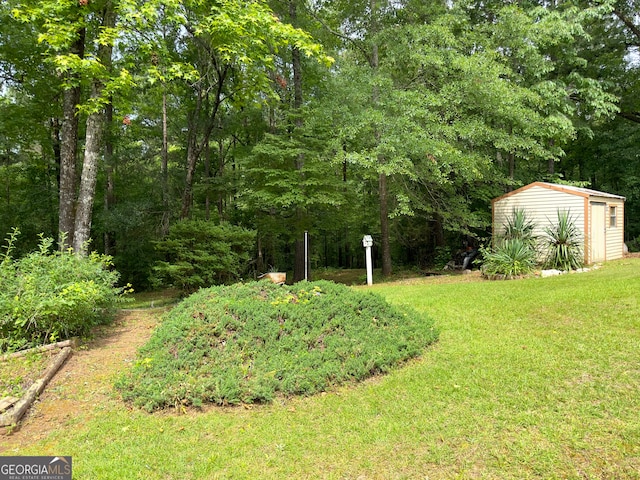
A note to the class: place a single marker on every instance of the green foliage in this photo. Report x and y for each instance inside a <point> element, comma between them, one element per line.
<point>514,253</point>
<point>564,244</point>
<point>200,254</point>
<point>465,98</point>
<point>520,227</point>
<point>247,343</point>
<point>510,259</point>
<point>442,257</point>
<point>49,296</point>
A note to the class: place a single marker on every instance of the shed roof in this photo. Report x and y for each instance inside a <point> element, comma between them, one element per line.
<point>580,191</point>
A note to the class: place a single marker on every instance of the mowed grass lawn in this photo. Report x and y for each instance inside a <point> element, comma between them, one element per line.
<point>535,378</point>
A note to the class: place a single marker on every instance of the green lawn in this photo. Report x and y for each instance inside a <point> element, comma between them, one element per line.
<point>535,378</point>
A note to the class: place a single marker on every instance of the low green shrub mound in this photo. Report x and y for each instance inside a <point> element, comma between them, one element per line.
<point>246,343</point>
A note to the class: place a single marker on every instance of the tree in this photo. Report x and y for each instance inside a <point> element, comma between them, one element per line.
<point>64,27</point>
<point>220,111</point>
<point>626,12</point>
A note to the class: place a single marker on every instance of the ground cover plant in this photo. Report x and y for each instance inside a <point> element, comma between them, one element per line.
<point>246,343</point>
<point>512,258</point>
<point>532,379</point>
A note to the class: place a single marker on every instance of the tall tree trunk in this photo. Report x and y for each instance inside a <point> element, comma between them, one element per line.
<point>551,164</point>
<point>68,155</point>
<point>382,177</point>
<point>207,179</point>
<point>194,149</point>
<point>54,123</point>
<point>164,167</point>
<point>221,163</point>
<point>512,167</point>
<point>7,186</point>
<point>301,264</point>
<point>93,143</point>
<point>86,194</point>
<point>192,160</point>
<point>384,225</point>
<point>109,197</point>
<point>438,231</point>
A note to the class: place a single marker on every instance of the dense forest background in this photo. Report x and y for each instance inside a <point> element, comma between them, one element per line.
<point>122,121</point>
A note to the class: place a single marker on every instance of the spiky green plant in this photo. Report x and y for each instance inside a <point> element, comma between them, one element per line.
<point>511,258</point>
<point>564,244</point>
<point>514,253</point>
<point>519,226</point>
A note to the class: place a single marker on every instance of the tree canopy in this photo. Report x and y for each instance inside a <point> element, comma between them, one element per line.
<point>400,119</point>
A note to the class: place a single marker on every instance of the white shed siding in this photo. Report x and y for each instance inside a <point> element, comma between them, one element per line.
<point>541,205</point>
<point>542,201</point>
<point>615,235</point>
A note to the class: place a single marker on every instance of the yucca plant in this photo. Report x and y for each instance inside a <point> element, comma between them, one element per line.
<point>564,244</point>
<point>514,253</point>
<point>520,227</point>
<point>512,258</point>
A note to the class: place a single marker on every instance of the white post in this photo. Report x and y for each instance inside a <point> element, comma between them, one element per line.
<point>306,255</point>
<point>367,243</point>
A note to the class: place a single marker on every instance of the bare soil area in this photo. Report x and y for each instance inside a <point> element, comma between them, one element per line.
<point>85,382</point>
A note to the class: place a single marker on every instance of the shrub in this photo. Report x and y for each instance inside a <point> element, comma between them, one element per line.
<point>49,296</point>
<point>442,257</point>
<point>514,253</point>
<point>247,343</point>
<point>200,254</point>
<point>564,244</point>
<point>510,259</point>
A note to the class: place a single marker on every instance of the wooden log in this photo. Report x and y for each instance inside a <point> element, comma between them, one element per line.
<point>14,415</point>
<point>52,346</point>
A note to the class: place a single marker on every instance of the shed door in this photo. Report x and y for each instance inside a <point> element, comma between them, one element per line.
<point>598,232</point>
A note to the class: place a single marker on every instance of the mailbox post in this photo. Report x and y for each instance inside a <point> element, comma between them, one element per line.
<point>367,243</point>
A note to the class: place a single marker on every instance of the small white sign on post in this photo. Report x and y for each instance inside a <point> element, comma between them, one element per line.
<point>367,243</point>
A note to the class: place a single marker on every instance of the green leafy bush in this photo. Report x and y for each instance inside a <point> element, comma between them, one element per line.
<point>200,254</point>
<point>49,296</point>
<point>564,244</point>
<point>247,343</point>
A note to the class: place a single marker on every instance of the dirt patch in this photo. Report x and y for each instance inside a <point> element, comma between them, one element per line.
<point>85,381</point>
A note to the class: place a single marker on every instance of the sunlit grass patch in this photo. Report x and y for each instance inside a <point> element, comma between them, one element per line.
<point>535,378</point>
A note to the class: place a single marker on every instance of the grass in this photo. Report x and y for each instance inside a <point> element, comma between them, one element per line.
<point>17,374</point>
<point>358,276</point>
<point>533,378</point>
<point>163,298</point>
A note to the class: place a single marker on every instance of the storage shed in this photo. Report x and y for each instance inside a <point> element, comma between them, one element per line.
<point>598,215</point>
